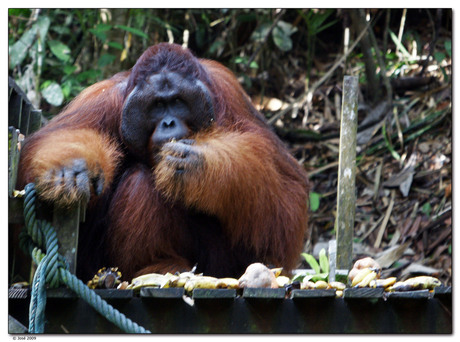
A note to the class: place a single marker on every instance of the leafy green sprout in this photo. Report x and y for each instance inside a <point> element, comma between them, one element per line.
<point>319,267</point>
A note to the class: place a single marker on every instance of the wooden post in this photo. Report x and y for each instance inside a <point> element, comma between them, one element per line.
<point>332,259</point>
<point>13,158</point>
<point>346,197</point>
<point>66,221</point>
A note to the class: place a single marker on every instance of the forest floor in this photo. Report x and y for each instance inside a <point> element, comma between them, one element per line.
<point>403,177</point>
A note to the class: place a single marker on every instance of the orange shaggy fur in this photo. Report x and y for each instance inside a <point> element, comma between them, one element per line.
<point>56,151</point>
<point>246,181</point>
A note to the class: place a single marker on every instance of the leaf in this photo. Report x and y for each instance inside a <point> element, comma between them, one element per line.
<point>439,56</point>
<point>253,65</point>
<point>60,50</point>
<point>404,178</point>
<point>261,32</point>
<point>18,51</point>
<point>101,35</point>
<point>417,269</point>
<point>448,47</point>
<point>400,46</point>
<point>314,201</point>
<point>426,209</point>
<point>287,28</point>
<point>106,59</point>
<point>388,144</point>
<point>281,35</point>
<point>133,30</point>
<point>115,45</point>
<point>391,255</point>
<point>88,75</point>
<point>240,60</point>
<point>323,261</point>
<point>310,259</point>
<point>282,42</point>
<point>53,94</point>
<point>315,277</point>
<point>69,69</point>
<point>100,31</point>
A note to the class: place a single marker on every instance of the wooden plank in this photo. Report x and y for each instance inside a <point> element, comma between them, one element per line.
<point>25,116</point>
<point>332,251</point>
<point>363,293</point>
<point>264,293</point>
<point>14,109</point>
<point>214,294</point>
<point>35,121</point>
<point>241,316</point>
<point>110,294</point>
<point>13,158</point>
<point>314,293</point>
<point>154,292</point>
<point>420,294</point>
<point>346,198</point>
<point>66,221</point>
<point>15,327</point>
<point>443,291</point>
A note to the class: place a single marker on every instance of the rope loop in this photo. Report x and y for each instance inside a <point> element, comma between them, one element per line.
<point>53,270</point>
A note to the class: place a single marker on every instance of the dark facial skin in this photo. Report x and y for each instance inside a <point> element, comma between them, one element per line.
<point>165,107</point>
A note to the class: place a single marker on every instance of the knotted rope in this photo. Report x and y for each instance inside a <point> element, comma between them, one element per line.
<point>53,270</point>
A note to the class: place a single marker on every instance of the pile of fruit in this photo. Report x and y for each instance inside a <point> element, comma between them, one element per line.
<point>365,273</point>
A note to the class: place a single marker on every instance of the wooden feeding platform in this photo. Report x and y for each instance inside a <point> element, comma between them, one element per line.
<point>223,311</point>
<point>251,311</point>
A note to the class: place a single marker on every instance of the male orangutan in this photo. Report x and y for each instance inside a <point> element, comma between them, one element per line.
<point>178,169</point>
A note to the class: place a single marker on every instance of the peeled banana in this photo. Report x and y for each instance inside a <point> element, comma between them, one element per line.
<point>227,283</point>
<point>382,283</point>
<point>202,282</point>
<point>367,279</point>
<point>360,276</point>
<point>179,280</point>
<point>151,279</point>
<point>337,285</point>
<point>283,280</point>
<point>306,285</point>
<point>321,284</point>
<point>416,283</point>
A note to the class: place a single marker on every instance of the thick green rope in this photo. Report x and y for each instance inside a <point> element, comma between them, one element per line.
<point>52,270</point>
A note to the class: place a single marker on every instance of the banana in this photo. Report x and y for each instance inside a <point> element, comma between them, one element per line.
<point>321,284</point>
<point>424,282</point>
<point>172,282</point>
<point>399,286</point>
<point>227,283</point>
<point>416,283</point>
<point>277,271</point>
<point>360,276</point>
<point>283,280</point>
<point>338,293</point>
<point>151,279</point>
<point>307,285</point>
<point>382,283</point>
<point>367,279</point>
<point>337,285</point>
<point>203,282</point>
<point>180,279</point>
<point>362,264</point>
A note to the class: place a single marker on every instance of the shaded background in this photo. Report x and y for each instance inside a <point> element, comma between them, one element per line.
<point>292,62</point>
